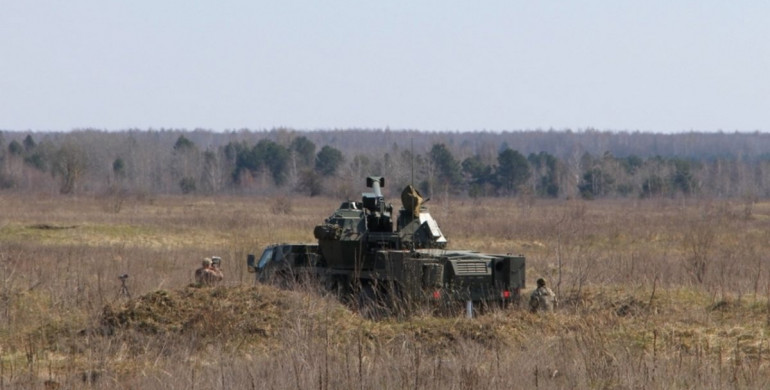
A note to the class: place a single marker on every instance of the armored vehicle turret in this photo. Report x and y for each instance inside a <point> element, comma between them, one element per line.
<point>362,250</point>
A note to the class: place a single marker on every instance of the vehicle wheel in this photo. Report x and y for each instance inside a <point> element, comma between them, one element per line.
<point>370,304</point>
<point>338,289</point>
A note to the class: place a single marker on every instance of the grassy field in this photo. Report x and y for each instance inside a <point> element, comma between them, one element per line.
<point>660,293</point>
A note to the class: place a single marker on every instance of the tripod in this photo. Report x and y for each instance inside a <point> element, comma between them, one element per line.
<point>123,288</point>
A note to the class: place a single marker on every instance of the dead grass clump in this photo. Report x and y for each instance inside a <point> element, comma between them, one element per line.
<point>612,300</point>
<point>722,305</point>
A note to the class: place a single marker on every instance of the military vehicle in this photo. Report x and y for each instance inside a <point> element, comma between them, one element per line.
<point>361,254</point>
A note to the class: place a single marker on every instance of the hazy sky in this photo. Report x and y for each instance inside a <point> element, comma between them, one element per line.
<point>649,65</point>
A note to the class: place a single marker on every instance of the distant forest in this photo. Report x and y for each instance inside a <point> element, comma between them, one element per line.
<point>536,164</point>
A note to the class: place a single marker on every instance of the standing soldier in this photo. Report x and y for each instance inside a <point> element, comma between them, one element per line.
<point>216,269</point>
<point>542,299</point>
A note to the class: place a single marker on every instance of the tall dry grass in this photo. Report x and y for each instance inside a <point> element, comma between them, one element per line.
<point>657,293</point>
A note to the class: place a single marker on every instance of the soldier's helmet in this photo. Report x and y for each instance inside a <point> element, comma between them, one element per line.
<point>207,262</point>
<point>540,282</point>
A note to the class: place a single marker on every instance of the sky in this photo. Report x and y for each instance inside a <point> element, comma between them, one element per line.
<point>508,65</point>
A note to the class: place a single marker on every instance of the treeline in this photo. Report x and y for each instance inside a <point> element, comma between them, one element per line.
<point>544,164</point>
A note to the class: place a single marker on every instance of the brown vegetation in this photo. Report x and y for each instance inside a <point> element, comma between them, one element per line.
<point>655,293</point>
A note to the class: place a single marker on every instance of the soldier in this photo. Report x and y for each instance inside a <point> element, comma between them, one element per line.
<point>207,274</point>
<point>216,269</point>
<point>542,299</point>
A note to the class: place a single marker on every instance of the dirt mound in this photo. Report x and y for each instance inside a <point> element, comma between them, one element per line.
<point>265,313</point>
<point>256,311</point>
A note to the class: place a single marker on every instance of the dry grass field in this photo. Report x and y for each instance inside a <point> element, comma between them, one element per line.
<point>654,294</point>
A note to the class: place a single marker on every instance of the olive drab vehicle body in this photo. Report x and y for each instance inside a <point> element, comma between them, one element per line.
<point>362,252</point>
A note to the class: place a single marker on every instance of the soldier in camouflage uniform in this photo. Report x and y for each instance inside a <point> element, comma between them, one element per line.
<point>542,299</point>
<point>207,274</point>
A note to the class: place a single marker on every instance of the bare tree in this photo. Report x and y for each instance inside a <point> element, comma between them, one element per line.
<point>70,165</point>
